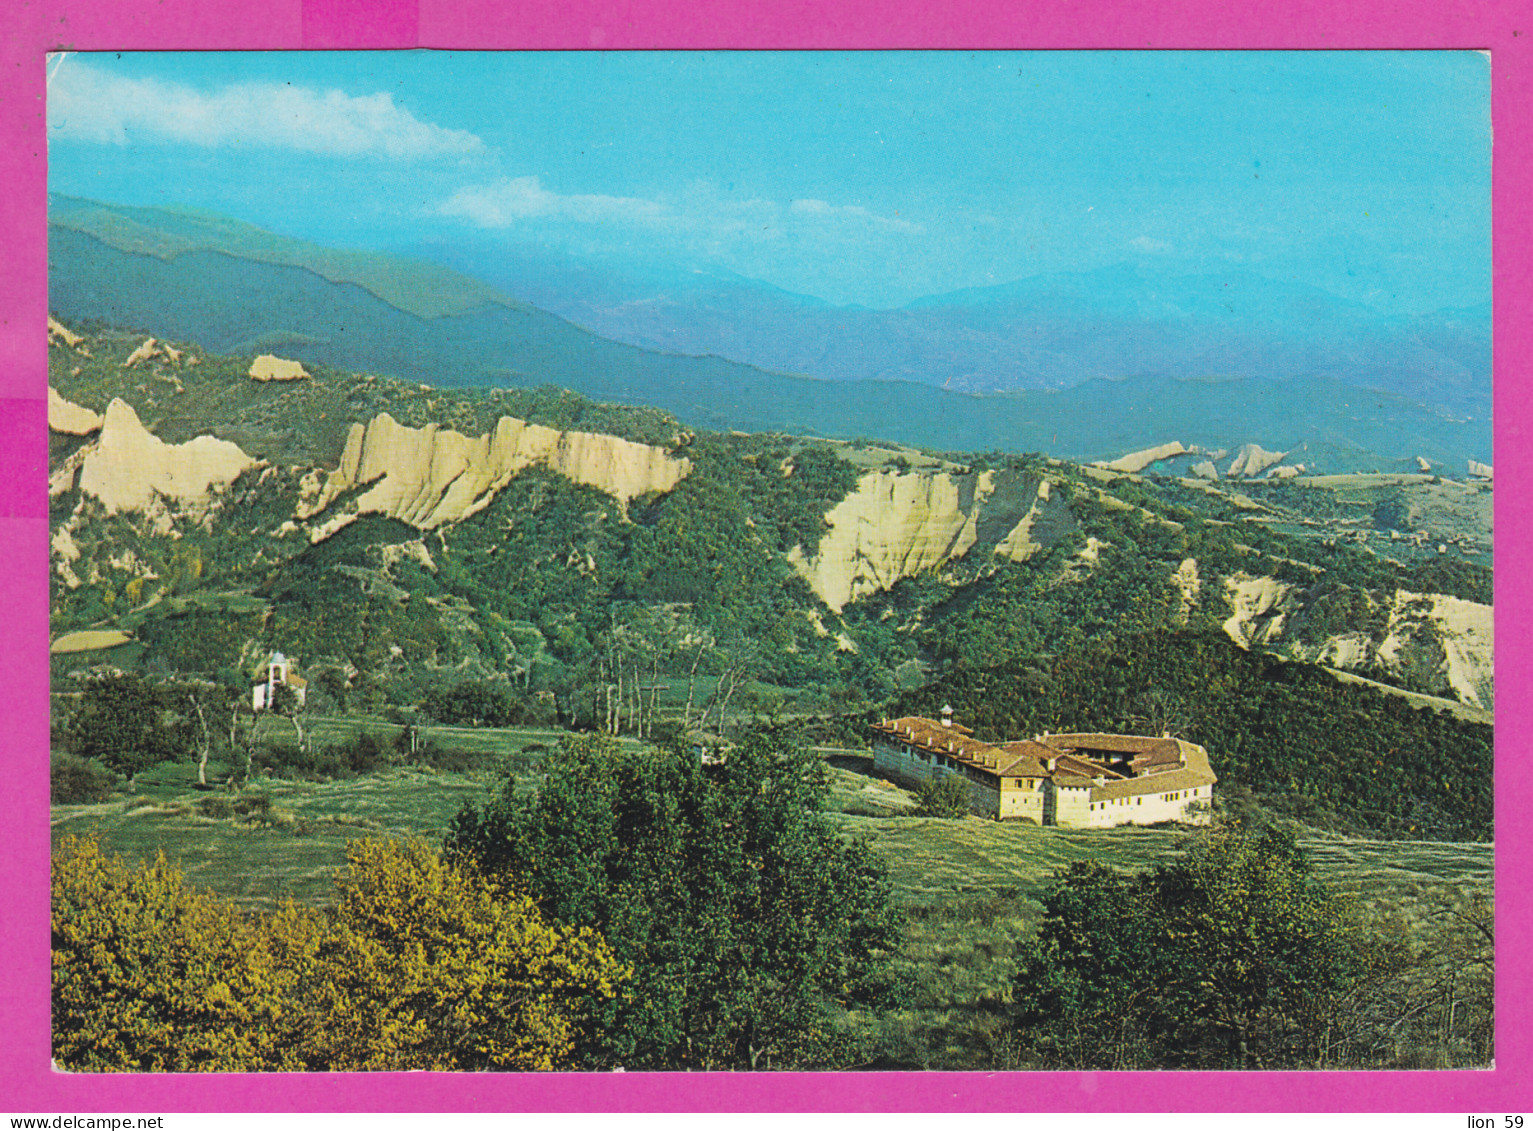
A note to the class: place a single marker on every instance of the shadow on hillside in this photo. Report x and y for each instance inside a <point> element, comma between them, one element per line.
<point>854,764</point>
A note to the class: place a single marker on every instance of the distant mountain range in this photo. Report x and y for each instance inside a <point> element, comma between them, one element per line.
<point>237,289</point>
<point>1047,332</point>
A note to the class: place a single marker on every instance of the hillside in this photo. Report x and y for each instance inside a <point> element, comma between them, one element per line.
<point>235,289</point>
<point>402,539</point>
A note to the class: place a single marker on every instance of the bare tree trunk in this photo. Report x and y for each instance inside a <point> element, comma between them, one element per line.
<point>617,714</point>
<point>598,692</point>
<point>734,681</point>
<point>207,740</point>
<point>654,692</point>
<point>686,715</point>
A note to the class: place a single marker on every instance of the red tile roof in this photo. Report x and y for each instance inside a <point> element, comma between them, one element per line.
<point>1130,764</point>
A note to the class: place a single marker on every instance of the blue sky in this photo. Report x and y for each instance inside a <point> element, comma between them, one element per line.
<point>870,178</point>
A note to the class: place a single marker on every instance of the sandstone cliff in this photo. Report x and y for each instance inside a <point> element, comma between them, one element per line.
<point>1431,642</point>
<point>1138,461</point>
<point>1252,460</point>
<point>67,417</point>
<point>268,367</point>
<point>897,525</point>
<point>128,467</point>
<point>57,331</point>
<point>431,476</point>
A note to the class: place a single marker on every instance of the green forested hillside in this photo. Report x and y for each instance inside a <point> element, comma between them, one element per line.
<point>1323,751</point>
<point>685,605</point>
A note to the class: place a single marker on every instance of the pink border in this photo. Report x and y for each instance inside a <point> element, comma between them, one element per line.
<point>32,29</point>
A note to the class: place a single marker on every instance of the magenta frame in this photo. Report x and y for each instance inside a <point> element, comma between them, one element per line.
<point>27,1083</point>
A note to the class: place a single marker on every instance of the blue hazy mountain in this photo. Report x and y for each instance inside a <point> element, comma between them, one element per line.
<point>233,289</point>
<point>1047,332</point>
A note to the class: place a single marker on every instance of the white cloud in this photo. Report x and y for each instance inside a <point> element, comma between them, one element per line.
<point>850,212</point>
<point>508,202</point>
<point>86,103</point>
<point>1148,245</point>
<point>701,215</point>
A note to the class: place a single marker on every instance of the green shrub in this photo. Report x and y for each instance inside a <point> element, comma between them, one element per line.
<point>257,805</point>
<point>366,753</point>
<point>78,781</point>
<point>944,796</point>
<point>218,808</point>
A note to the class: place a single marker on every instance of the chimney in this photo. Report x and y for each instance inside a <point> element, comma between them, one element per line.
<point>947,716</point>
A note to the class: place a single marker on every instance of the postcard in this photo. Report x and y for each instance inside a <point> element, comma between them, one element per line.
<point>610,564</point>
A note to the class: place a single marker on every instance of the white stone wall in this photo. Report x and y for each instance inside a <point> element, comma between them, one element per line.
<point>1150,809</point>
<point>1024,802</point>
<point>1072,806</point>
<point>913,767</point>
<point>900,761</point>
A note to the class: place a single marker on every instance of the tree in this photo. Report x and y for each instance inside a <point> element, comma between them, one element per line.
<point>205,703</point>
<point>1085,997</point>
<point>424,967</point>
<point>418,967</point>
<point>946,795</point>
<point>745,917</point>
<point>1269,945</point>
<point>1235,956</point>
<point>151,975</point>
<point>288,704</point>
<point>122,723</point>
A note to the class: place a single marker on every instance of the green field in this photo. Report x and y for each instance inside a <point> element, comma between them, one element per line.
<point>970,890</point>
<point>292,850</point>
<point>969,887</point>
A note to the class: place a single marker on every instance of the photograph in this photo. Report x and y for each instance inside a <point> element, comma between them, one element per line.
<point>699,561</point>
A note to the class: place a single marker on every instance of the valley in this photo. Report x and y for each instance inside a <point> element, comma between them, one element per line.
<point>397,538</point>
<point>970,889</point>
<point>1150,375</point>
<point>444,564</point>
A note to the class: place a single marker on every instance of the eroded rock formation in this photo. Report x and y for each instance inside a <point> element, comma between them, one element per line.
<point>431,476</point>
<point>1252,460</point>
<point>67,417</point>
<point>269,367</point>
<point>898,525</point>
<point>1138,461</point>
<point>57,331</point>
<point>1432,642</point>
<point>129,467</point>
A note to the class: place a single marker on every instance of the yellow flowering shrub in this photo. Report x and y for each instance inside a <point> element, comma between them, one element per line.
<point>418,966</point>
<point>428,967</point>
<point>151,975</point>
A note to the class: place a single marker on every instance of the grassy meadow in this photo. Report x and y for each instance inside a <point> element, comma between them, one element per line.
<point>969,887</point>
<point>970,891</point>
